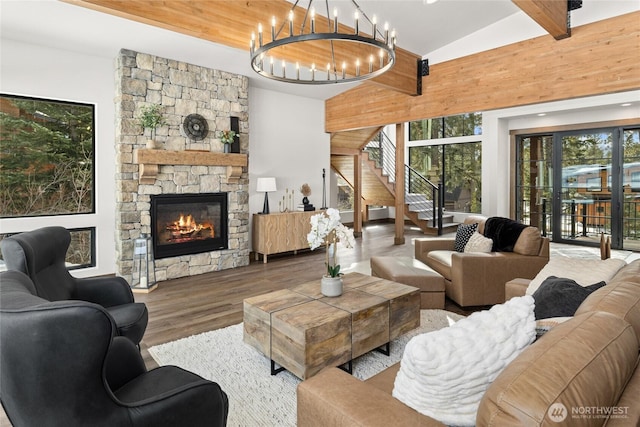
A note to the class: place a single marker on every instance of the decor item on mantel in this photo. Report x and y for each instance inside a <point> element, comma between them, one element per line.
<point>327,229</point>
<point>316,35</point>
<point>195,127</point>
<point>151,118</point>
<point>227,138</point>
<point>267,185</point>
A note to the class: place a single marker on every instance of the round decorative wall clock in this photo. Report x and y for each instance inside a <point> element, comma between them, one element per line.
<point>195,127</point>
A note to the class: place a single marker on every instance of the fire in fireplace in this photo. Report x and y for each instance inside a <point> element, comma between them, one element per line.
<point>184,224</point>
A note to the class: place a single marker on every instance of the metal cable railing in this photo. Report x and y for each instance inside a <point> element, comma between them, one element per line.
<point>422,194</point>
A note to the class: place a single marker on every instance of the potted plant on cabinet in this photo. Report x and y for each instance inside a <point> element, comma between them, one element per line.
<point>151,118</point>
<point>227,137</point>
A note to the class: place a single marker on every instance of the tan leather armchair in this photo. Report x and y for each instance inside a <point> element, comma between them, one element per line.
<point>473,279</point>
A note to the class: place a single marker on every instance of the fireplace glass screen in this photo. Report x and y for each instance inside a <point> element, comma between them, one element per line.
<point>184,224</point>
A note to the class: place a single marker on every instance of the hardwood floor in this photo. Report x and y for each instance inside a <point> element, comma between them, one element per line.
<point>192,305</point>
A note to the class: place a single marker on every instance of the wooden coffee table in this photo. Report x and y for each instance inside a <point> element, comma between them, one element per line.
<point>303,331</point>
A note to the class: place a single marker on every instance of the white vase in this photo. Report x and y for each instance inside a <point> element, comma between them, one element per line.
<point>331,286</point>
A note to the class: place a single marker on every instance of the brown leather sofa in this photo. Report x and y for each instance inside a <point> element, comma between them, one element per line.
<point>589,364</point>
<point>473,279</point>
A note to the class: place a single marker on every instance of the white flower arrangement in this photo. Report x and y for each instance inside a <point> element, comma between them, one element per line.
<point>326,229</point>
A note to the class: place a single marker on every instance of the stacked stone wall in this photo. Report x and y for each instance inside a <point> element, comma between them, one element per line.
<point>181,89</point>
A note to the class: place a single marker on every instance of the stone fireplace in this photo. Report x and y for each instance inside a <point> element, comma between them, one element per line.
<point>180,166</point>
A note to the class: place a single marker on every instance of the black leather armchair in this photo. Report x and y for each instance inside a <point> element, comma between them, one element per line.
<point>63,365</point>
<point>41,253</point>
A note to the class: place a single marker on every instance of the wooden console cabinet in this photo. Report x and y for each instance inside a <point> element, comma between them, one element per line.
<point>280,232</point>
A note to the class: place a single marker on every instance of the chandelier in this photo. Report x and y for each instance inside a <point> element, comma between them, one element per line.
<point>336,53</point>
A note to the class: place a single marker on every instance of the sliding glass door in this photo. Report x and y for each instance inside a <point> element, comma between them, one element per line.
<point>578,185</point>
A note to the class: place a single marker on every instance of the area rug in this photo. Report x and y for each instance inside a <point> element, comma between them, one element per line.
<point>256,398</point>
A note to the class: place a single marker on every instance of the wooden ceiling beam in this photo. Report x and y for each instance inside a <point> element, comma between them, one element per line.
<point>549,14</point>
<point>231,22</point>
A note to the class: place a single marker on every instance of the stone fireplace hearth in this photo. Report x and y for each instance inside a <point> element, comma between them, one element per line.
<point>181,89</point>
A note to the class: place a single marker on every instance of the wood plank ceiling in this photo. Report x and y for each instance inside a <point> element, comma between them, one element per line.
<point>231,22</point>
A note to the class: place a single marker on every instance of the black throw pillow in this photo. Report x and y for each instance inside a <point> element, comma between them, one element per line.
<point>463,234</point>
<point>560,297</point>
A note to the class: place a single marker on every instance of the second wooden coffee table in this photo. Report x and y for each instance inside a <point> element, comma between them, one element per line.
<point>303,331</point>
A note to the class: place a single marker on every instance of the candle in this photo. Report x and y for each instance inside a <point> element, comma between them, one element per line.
<point>374,22</point>
<point>355,15</point>
<point>291,22</point>
<point>273,28</point>
<point>313,20</point>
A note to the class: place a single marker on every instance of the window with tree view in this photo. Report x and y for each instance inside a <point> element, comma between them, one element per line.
<point>47,154</point>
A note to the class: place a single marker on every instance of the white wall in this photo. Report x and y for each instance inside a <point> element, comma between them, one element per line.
<point>37,71</point>
<point>286,141</point>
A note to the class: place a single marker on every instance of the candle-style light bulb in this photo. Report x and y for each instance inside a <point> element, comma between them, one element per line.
<point>273,28</point>
<point>313,72</point>
<point>252,43</point>
<point>374,24</point>
<point>328,71</point>
<point>386,33</point>
<point>284,69</point>
<point>313,20</point>
<point>260,34</point>
<point>371,63</point>
<point>357,68</point>
<point>355,16</point>
<point>271,65</point>
<point>381,55</point>
<point>291,22</point>
<point>393,38</point>
<point>298,70</point>
<point>335,19</point>
<point>344,69</point>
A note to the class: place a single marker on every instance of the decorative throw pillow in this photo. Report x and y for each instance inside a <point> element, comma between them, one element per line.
<point>463,234</point>
<point>478,243</point>
<point>560,297</point>
<point>584,271</point>
<point>445,373</point>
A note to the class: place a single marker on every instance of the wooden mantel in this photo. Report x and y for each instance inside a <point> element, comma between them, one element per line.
<point>149,161</point>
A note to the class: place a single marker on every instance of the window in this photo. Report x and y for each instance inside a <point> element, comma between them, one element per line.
<point>446,127</point>
<point>458,166</point>
<point>47,157</point>
<point>345,195</point>
<point>81,252</point>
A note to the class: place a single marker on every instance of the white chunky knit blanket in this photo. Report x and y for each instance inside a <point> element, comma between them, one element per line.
<point>443,374</point>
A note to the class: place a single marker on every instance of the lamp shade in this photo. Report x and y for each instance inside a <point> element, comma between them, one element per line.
<point>266,184</point>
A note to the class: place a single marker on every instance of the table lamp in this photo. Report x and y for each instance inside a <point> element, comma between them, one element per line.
<point>266,184</point>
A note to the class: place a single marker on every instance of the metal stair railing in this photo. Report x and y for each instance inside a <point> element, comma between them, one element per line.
<point>416,183</point>
<point>383,151</point>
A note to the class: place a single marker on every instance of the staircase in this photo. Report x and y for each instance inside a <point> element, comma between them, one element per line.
<point>423,206</point>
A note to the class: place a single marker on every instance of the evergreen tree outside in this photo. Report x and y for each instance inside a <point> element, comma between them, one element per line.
<point>46,157</point>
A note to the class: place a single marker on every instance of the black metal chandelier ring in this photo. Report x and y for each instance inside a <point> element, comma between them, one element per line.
<point>264,64</point>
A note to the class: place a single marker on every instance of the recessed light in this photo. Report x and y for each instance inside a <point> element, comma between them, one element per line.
<point>430,1</point>
<point>542,114</point>
<point>626,104</point>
